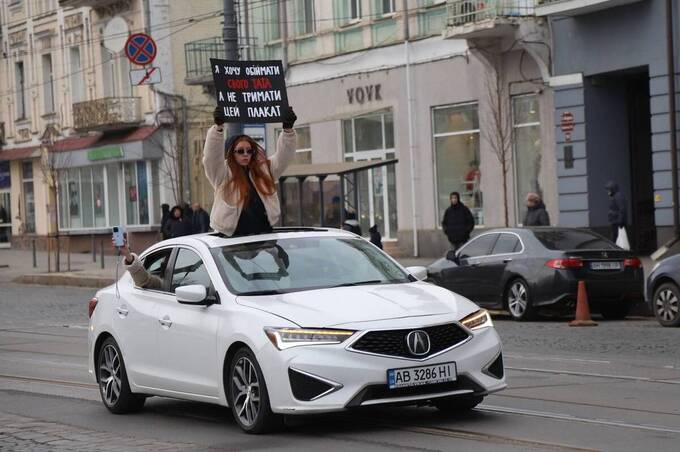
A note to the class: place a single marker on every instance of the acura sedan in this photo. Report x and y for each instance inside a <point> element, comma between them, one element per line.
<point>525,270</point>
<point>293,322</point>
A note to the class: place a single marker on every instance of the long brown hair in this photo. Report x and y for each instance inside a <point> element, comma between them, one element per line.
<point>261,173</point>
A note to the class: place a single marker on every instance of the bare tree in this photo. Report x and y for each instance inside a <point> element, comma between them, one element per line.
<point>169,168</point>
<point>498,132</point>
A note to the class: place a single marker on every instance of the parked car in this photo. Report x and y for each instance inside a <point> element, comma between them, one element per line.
<point>293,322</point>
<point>525,270</point>
<point>663,291</point>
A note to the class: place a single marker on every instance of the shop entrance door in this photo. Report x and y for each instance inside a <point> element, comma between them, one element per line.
<point>377,196</point>
<point>5,219</point>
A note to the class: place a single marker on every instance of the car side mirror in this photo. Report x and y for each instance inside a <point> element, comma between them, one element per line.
<point>418,272</point>
<point>451,256</point>
<point>194,294</point>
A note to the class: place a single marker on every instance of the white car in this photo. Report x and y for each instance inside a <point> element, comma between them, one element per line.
<point>298,321</point>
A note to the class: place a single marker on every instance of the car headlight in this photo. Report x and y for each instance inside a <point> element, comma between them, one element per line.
<point>283,338</point>
<point>478,319</point>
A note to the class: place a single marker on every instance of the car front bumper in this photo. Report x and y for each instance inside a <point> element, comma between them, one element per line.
<point>357,379</point>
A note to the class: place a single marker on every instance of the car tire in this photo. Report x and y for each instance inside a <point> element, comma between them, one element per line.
<point>618,311</point>
<point>666,305</point>
<point>457,404</point>
<point>518,300</point>
<point>248,396</point>
<point>114,387</point>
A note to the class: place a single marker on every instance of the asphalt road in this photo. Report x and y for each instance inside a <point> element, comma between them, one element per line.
<point>613,387</point>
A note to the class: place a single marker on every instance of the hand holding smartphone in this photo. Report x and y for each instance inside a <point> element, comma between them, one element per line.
<point>118,236</point>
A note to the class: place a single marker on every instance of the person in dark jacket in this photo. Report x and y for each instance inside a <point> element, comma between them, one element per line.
<point>165,209</point>
<point>376,238</point>
<point>177,225</point>
<point>458,222</point>
<point>617,215</point>
<point>200,220</point>
<point>536,213</point>
<point>351,223</point>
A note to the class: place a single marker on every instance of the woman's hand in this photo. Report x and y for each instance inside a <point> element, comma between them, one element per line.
<point>218,116</point>
<point>288,118</point>
<point>124,250</point>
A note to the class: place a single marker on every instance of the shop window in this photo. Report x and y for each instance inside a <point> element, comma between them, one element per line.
<point>143,191</point>
<point>87,197</point>
<point>457,158</point>
<point>74,213</point>
<point>98,192</point>
<point>527,149</point>
<point>62,193</point>
<point>29,196</point>
<point>113,194</point>
<point>303,152</point>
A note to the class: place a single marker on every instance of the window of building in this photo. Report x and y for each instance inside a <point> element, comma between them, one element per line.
<point>303,152</point>
<point>29,196</point>
<point>89,197</point>
<point>355,9</point>
<point>387,6</point>
<point>527,149</point>
<point>48,84</point>
<point>346,11</point>
<point>304,14</point>
<point>109,73</point>
<point>21,90</point>
<point>76,73</point>
<point>456,142</point>
<point>371,138</point>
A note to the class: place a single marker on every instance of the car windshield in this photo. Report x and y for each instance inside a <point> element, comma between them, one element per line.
<point>305,263</point>
<point>563,240</point>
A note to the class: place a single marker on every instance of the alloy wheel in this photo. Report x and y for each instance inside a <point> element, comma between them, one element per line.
<point>667,305</point>
<point>246,390</point>
<point>518,299</point>
<point>110,374</point>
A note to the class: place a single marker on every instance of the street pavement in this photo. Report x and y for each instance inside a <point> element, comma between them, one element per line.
<point>612,387</point>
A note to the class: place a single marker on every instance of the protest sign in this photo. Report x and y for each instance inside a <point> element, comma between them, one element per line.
<point>250,91</point>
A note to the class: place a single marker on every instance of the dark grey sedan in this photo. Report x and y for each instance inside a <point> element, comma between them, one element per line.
<point>663,291</point>
<point>525,270</point>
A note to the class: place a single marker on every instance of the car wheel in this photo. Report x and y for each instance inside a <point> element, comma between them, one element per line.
<point>248,396</point>
<point>457,404</point>
<point>113,382</point>
<point>617,311</point>
<point>666,304</point>
<point>518,300</point>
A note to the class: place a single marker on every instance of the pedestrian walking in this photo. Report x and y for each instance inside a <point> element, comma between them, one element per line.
<point>177,225</point>
<point>536,214</point>
<point>617,215</point>
<point>458,221</point>
<point>246,200</point>
<point>376,238</point>
<point>200,220</point>
<point>351,223</point>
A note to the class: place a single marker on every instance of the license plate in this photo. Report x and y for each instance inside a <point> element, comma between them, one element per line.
<point>605,265</point>
<point>424,375</point>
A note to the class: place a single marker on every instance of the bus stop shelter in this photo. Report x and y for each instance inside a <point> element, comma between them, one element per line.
<point>348,172</point>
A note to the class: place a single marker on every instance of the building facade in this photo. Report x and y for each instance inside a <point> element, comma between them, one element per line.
<point>612,58</point>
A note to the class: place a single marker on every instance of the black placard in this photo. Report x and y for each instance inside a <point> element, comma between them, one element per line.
<point>250,91</point>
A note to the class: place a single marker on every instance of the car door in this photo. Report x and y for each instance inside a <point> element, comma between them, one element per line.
<point>507,247</point>
<point>187,334</point>
<point>135,321</point>
<point>467,276</point>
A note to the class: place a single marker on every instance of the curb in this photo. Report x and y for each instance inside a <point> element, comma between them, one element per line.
<point>65,280</point>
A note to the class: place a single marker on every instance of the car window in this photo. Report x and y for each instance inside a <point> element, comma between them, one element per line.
<point>189,269</point>
<point>478,247</point>
<point>156,263</point>
<point>507,243</point>
<point>575,239</point>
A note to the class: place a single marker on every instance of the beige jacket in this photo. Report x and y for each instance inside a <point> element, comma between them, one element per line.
<point>225,214</point>
<point>140,276</point>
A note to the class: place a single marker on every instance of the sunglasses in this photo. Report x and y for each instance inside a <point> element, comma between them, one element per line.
<point>248,151</point>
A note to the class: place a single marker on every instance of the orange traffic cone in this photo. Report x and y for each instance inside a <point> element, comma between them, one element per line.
<point>582,309</point>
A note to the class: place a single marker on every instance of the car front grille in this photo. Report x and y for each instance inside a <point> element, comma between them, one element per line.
<point>393,342</point>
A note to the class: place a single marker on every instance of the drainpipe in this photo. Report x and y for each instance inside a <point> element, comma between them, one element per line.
<point>283,14</point>
<point>411,140</point>
<point>672,116</point>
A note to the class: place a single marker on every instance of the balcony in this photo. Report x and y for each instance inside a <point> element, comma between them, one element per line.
<point>197,55</point>
<point>107,114</point>
<point>576,7</point>
<point>469,19</point>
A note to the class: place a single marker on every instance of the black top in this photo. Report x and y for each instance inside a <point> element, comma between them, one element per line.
<point>253,219</point>
<point>458,222</point>
<point>537,216</point>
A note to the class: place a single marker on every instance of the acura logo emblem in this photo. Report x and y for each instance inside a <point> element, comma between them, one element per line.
<point>418,343</point>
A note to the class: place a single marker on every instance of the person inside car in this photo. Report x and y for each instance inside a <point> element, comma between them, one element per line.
<point>140,275</point>
<point>246,200</point>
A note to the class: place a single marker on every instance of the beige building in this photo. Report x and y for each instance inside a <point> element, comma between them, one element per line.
<point>83,149</point>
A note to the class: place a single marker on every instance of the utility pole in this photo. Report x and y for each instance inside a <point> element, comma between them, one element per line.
<point>230,36</point>
<point>411,138</point>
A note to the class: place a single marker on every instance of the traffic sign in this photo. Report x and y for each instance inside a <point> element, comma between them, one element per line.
<point>148,76</point>
<point>140,49</point>
<point>567,122</point>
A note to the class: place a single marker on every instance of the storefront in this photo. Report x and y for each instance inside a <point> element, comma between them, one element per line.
<point>5,205</point>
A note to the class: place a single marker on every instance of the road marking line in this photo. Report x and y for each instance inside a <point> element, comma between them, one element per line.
<point>670,381</point>
<point>541,358</point>
<point>569,417</point>
<point>52,382</point>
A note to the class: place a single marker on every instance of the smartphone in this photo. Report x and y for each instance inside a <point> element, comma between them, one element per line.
<point>118,236</point>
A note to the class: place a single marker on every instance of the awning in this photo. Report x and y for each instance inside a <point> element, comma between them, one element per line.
<point>328,169</point>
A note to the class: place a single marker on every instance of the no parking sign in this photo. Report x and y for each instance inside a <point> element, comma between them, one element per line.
<point>140,49</point>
